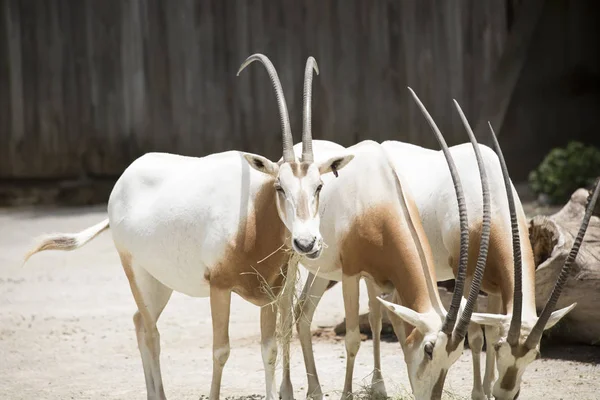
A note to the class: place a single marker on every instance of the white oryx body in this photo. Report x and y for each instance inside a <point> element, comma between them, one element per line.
<point>365,222</point>
<point>372,230</point>
<point>426,174</point>
<point>181,226</point>
<point>211,226</point>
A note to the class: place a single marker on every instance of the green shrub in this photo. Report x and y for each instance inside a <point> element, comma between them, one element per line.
<point>565,170</point>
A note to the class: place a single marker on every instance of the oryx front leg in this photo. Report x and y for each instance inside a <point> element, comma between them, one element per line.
<point>377,384</point>
<point>268,324</point>
<point>220,302</point>
<point>150,296</point>
<point>286,391</point>
<point>311,295</point>
<point>476,345</point>
<point>350,289</point>
<point>492,334</point>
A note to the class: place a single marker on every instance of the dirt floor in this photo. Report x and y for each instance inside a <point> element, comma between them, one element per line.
<point>66,332</point>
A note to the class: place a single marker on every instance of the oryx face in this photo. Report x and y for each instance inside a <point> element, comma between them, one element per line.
<point>512,359</point>
<point>297,182</point>
<point>427,353</point>
<point>297,187</point>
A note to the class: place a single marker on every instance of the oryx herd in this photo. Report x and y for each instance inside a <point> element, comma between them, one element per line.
<point>400,216</point>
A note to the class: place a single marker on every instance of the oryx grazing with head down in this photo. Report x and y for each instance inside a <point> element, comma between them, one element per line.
<point>372,229</point>
<point>211,226</point>
<point>512,329</point>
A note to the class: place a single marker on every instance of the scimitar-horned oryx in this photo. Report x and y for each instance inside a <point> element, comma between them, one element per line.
<point>372,229</point>
<point>210,226</point>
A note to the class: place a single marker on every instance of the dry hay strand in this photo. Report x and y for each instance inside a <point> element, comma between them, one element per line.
<point>283,297</point>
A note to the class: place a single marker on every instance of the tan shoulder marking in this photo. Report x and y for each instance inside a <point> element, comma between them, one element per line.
<point>258,256</point>
<point>378,243</point>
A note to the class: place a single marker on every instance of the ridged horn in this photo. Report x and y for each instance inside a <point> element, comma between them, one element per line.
<point>307,151</point>
<point>288,141</point>
<point>450,320</point>
<point>538,328</point>
<point>465,318</point>
<point>515,324</point>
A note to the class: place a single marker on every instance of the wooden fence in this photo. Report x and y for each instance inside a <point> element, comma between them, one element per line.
<point>86,86</point>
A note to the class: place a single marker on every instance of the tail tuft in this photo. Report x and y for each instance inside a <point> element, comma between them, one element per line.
<point>67,241</point>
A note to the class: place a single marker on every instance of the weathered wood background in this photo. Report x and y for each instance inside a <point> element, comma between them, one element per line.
<point>90,85</point>
<point>86,86</point>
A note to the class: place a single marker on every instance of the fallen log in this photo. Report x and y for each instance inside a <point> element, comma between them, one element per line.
<point>552,238</point>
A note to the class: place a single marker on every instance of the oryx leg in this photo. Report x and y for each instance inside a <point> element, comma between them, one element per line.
<point>311,295</point>
<point>476,344</point>
<point>150,296</point>
<point>268,324</point>
<point>220,302</point>
<point>492,334</point>
<point>377,384</point>
<point>350,289</point>
<point>286,391</point>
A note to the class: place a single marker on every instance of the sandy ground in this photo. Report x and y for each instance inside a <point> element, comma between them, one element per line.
<point>66,332</point>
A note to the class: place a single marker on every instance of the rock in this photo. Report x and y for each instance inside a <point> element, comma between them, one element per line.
<point>552,238</point>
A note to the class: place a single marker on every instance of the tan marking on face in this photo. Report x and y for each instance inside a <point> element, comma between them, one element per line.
<point>379,243</point>
<point>261,236</point>
<point>509,381</point>
<point>300,169</point>
<point>519,351</point>
<point>302,207</point>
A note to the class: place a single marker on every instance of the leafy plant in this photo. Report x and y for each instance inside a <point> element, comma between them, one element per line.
<point>565,170</point>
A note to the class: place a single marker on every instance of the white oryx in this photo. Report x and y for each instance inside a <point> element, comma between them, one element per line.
<point>371,226</point>
<point>512,329</point>
<point>513,339</point>
<point>210,226</point>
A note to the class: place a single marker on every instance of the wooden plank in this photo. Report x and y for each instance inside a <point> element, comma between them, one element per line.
<point>91,85</point>
<point>501,87</point>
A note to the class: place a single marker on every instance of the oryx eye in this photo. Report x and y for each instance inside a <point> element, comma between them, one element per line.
<point>428,350</point>
<point>279,188</point>
<point>319,189</point>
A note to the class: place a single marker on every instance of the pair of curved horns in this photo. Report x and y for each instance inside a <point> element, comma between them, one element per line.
<point>515,323</point>
<point>288,141</point>
<point>448,326</point>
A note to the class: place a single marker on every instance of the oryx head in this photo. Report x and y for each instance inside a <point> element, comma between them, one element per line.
<point>519,339</point>
<point>297,183</point>
<point>438,339</point>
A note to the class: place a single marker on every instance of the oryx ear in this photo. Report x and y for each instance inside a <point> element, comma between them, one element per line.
<point>406,314</point>
<point>488,319</point>
<point>558,315</point>
<point>262,164</point>
<point>334,164</point>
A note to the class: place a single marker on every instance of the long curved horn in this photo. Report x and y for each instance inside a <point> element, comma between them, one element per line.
<point>538,329</point>
<point>465,318</point>
<point>288,141</point>
<point>515,323</point>
<point>450,320</point>
<point>307,151</point>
